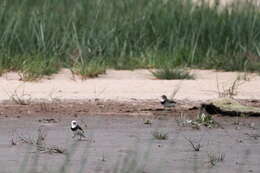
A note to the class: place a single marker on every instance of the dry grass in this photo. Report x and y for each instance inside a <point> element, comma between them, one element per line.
<point>20,98</point>
<point>51,149</point>
<point>44,107</point>
<point>39,142</point>
<point>182,120</point>
<point>232,90</point>
<point>214,158</point>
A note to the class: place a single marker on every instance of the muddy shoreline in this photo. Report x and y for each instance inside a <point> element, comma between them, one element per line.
<point>118,132</point>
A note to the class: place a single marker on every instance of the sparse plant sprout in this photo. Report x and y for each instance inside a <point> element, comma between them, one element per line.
<point>214,158</point>
<point>44,107</point>
<point>182,121</point>
<point>206,120</point>
<point>243,77</point>
<point>196,147</point>
<point>160,135</point>
<point>236,121</point>
<point>13,141</point>
<point>103,157</point>
<point>195,125</point>
<point>244,115</point>
<point>40,141</point>
<point>232,90</point>
<point>148,122</point>
<point>171,73</point>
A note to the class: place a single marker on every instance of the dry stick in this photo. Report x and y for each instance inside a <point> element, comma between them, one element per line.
<point>175,90</point>
<point>25,139</point>
<point>39,143</point>
<point>218,85</point>
<point>97,94</point>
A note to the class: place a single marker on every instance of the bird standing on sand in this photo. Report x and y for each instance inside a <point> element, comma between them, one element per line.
<point>167,102</point>
<point>77,130</point>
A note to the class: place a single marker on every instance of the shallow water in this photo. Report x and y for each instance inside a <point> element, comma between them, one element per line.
<point>122,141</point>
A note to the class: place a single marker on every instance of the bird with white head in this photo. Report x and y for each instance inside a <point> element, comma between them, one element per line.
<point>167,102</point>
<point>77,130</point>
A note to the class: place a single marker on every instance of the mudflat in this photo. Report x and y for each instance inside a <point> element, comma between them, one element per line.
<point>120,139</point>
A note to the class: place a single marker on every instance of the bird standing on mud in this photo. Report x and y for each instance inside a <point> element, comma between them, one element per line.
<point>167,102</point>
<point>77,130</point>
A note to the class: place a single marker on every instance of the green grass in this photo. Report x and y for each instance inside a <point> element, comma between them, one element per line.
<point>36,67</point>
<point>170,74</point>
<point>89,69</point>
<point>128,34</point>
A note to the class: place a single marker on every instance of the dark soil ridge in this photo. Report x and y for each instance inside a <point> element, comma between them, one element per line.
<point>231,107</point>
<point>111,107</point>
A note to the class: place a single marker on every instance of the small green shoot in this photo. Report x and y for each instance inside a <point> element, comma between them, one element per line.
<point>206,120</point>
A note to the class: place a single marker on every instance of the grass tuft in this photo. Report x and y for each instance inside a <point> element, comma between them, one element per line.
<point>206,120</point>
<point>215,158</point>
<point>171,74</point>
<point>89,69</point>
<point>34,68</point>
<point>160,135</point>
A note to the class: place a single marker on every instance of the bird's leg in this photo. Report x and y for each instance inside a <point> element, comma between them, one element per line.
<point>74,135</point>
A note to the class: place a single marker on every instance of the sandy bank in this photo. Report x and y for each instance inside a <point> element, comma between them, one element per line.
<point>128,85</point>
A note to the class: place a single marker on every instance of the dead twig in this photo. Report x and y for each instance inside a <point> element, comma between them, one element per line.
<point>40,142</point>
<point>175,91</point>
<point>21,99</point>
